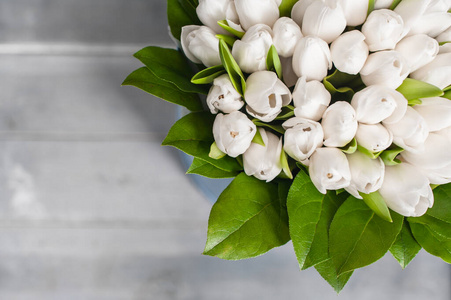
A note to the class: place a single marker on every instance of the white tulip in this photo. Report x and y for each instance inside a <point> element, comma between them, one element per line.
<point>418,50</point>
<point>265,95</point>
<point>310,99</point>
<point>383,29</point>
<point>311,58</point>
<point>367,175</point>
<point>349,52</point>
<point>374,138</point>
<point>324,19</point>
<point>436,112</point>
<point>435,159</point>
<point>378,103</point>
<point>387,68</point>
<point>406,190</point>
<point>298,10</point>
<point>329,169</point>
<point>223,96</point>
<point>444,36</point>
<point>339,124</point>
<point>302,137</point>
<point>437,72</point>
<point>289,77</point>
<point>200,45</point>
<point>378,4</point>
<point>355,11</point>
<point>410,132</point>
<point>233,133</point>
<point>432,24</point>
<point>251,51</point>
<point>286,35</point>
<point>263,162</point>
<point>212,11</point>
<point>411,11</point>
<point>252,12</point>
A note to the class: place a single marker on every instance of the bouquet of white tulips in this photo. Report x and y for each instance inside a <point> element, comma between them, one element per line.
<point>333,116</point>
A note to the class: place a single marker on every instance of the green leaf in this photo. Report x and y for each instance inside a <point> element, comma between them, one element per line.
<point>215,152</point>
<point>258,139</point>
<point>148,82</point>
<point>433,230</point>
<point>414,102</point>
<point>327,270</point>
<point>350,148</point>
<point>340,85</point>
<point>372,155</point>
<point>285,165</point>
<point>232,68</point>
<point>389,156</point>
<point>394,4</point>
<point>304,205</point>
<point>227,38</point>
<point>273,62</point>
<point>203,168</point>
<point>377,205</point>
<point>180,13</point>
<point>447,95</point>
<point>416,89</point>
<point>170,65</point>
<point>247,220</point>
<point>405,247</point>
<point>286,113</point>
<point>208,75</point>
<point>358,237</point>
<point>225,25</point>
<point>370,6</point>
<point>192,135</point>
<point>285,7</point>
<point>275,127</point>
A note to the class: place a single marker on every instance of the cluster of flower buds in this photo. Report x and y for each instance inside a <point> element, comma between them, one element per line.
<point>382,48</point>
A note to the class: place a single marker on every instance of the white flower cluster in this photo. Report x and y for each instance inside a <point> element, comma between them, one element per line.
<point>388,46</point>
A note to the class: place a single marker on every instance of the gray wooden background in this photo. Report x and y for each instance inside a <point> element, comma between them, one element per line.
<point>92,207</point>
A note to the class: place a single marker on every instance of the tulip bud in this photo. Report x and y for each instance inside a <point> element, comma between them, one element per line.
<point>418,50</point>
<point>250,52</point>
<point>410,132</point>
<point>378,103</point>
<point>263,162</point>
<point>387,68</point>
<point>286,35</point>
<point>212,11</point>
<point>406,190</point>
<point>349,52</point>
<point>223,96</point>
<point>200,45</point>
<point>302,137</point>
<point>252,12</point>
<point>233,133</point>
<point>367,175</point>
<point>289,77</point>
<point>329,169</point>
<point>435,159</point>
<point>311,58</point>
<point>265,95</point>
<point>298,10</point>
<point>437,72</point>
<point>374,138</point>
<point>411,11</point>
<point>432,24</point>
<point>324,19</point>
<point>436,112</point>
<point>383,29</point>
<point>339,124</point>
<point>378,4</point>
<point>311,99</point>
<point>355,11</point>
